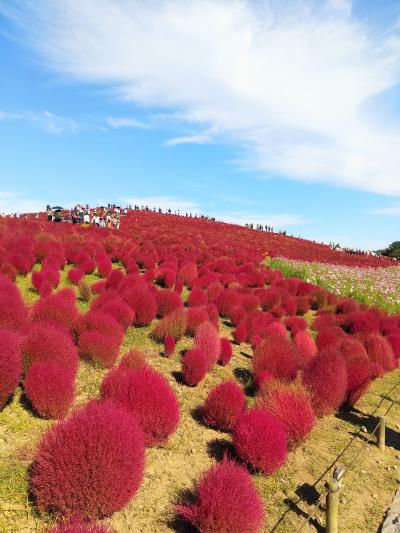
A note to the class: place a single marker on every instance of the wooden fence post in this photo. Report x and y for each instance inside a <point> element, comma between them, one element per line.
<point>332,505</point>
<point>381,433</point>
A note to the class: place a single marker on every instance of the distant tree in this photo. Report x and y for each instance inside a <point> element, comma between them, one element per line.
<point>393,250</point>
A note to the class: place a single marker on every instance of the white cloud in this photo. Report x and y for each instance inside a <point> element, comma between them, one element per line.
<point>14,202</point>
<point>391,211</point>
<point>191,139</point>
<point>292,84</point>
<point>125,122</point>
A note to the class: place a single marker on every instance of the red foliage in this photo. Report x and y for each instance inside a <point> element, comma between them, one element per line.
<point>291,405</point>
<point>240,334</point>
<point>226,351</point>
<point>361,322</point>
<point>394,341</point>
<point>49,342</point>
<point>207,340</point>
<point>276,328</point>
<point>50,388</point>
<point>194,366</point>
<point>120,311</point>
<point>303,305</point>
<point>101,321</point>
<point>167,301</point>
<point>260,440</point>
<point>277,356</point>
<point>305,345</point>
<point>104,267</point>
<point>227,301</point>
<point>379,351</point>
<point>172,325</point>
<point>327,320</point>
<point>75,275</point>
<point>226,502</point>
<point>269,298</point>
<point>197,297</point>
<point>99,347</point>
<point>79,526</point>
<point>346,305</point>
<point>60,307</point>
<point>237,314</point>
<point>330,336</point>
<point>326,379</point>
<point>134,359</point>
<point>114,278</point>
<point>187,273</point>
<point>146,393</point>
<point>295,324</point>
<point>13,312</point>
<point>98,286</point>
<point>10,365</point>
<point>169,345</point>
<point>195,316</point>
<point>90,464</point>
<point>250,302</point>
<point>223,405</point>
<point>142,300</point>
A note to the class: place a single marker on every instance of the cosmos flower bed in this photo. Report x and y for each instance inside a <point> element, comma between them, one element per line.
<point>181,278</point>
<point>379,287</point>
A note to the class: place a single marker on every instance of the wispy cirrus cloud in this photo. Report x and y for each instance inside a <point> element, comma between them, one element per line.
<point>189,139</point>
<point>291,85</point>
<point>125,122</point>
<point>393,211</point>
<point>57,124</point>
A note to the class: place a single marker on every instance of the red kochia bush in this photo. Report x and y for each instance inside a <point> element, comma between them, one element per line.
<point>91,464</point>
<point>223,405</point>
<point>99,347</point>
<point>79,526</point>
<point>394,341</point>
<point>276,355</point>
<point>49,342</point>
<point>114,278</point>
<point>134,359</point>
<point>142,301</point>
<point>226,502</point>
<point>226,351</point>
<point>172,325</point>
<point>330,336</point>
<point>326,379</point>
<point>169,345</point>
<point>295,324</point>
<point>195,316</point>
<point>305,345</point>
<point>59,307</point>
<point>13,311</point>
<point>50,389</point>
<point>146,393</point>
<point>241,333</point>
<point>379,351</point>
<point>75,275</point>
<point>207,339</point>
<point>120,311</point>
<point>10,365</point>
<point>260,440</point>
<point>167,301</point>
<point>291,405</point>
<point>194,366</point>
<point>197,297</point>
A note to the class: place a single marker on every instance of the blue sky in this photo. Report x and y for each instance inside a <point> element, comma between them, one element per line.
<point>284,113</point>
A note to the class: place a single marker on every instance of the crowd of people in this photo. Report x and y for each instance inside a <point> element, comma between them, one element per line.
<point>103,217</point>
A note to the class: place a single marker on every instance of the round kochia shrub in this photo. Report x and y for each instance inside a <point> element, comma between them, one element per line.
<point>380,352</point>
<point>276,355</point>
<point>59,307</point>
<point>79,526</point>
<point>260,440</point>
<point>48,342</point>
<point>99,347</point>
<point>172,325</point>
<point>326,379</point>
<point>194,366</point>
<point>226,351</point>
<point>50,389</point>
<point>226,502</point>
<point>90,464</point>
<point>291,404</point>
<point>10,365</point>
<point>146,393</point>
<point>223,405</point>
<point>13,311</point>
<point>207,339</point>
